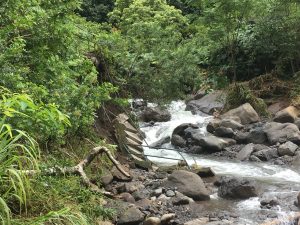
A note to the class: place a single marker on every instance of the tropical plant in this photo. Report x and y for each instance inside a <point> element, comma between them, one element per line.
<point>43,47</point>
<point>18,152</point>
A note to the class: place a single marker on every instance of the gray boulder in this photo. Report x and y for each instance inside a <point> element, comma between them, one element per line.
<point>224,132</point>
<point>245,153</point>
<point>245,112</point>
<point>287,115</point>
<point>178,141</point>
<point>188,183</point>
<point>230,123</point>
<point>266,154</point>
<point>287,148</point>
<point>297,123</point>
<point>278,132</point>
<point>207,104</point>
<point>233,188</point>
<point>257,136</point>
<point>241,137</point>
<point>213,125</point>
<point>215,144</point>
<point>132,216</point>
<point>180,130</point>
<point>155,114</point>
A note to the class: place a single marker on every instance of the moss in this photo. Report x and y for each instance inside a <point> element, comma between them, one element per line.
<point>238,94</point>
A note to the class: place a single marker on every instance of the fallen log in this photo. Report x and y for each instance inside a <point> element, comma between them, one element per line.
<point>79,169</point>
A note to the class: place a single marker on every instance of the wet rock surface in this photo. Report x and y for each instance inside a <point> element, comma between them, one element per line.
<point>239,137</point>
<point>235,188</point>
<point>155,114</point>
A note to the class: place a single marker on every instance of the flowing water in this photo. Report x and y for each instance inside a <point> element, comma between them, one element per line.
<point>275,181</point>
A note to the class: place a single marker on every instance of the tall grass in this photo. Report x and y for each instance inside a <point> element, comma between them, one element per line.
<point>18,152</point>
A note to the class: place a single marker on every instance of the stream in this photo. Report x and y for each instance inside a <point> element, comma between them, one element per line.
<point>275,181</point>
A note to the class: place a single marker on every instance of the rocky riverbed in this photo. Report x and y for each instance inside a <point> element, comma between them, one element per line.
<point>254,164</point>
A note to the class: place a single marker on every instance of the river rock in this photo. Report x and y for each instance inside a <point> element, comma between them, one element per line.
<point>241,137</point>
<point>188,183</point>
<point>157,192</point>
<point>152,221</point>
<point>257,136</point>
<point>297,122</point>
<point>269,203</point>
<point>224,132</point>
<point>180,130</point>
<point>287,148</point>
<point>245,112</point>
<point>276,107</point>
<point>155,114</point>
<point>207,104</point>
<point>213,125</point>
<point>118,175</point>
<point>165,219</point>
<point>160,142</point>
<point>296,161</point>
<point>245,153</point>
<point>287,115</point>
<point>298,199</point>
<point>282,132</point>
<point>230,123</point>
<point>178,141</point>
<point>234,188</point>
<point>107,179</point>
<point>215,144</point>
<point>181,199</point>
<point>126,197</point>
<point>132,216</point>
<point>266,154</point>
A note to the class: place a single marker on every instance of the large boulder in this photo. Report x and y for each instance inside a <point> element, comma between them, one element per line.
<point>224,132</point>
<point>208,104</point>
<point>180,130</point>
<point>282,132</point>
<point>288,148</point>
<point>276,107</point>
<point>234,188</point>
<point>245,112</point>
<point>189,184</point>
<point>177,140</point>
<point>155,114</point>
<point>215,144</point>
<point>287,115</point>
<point>132,216</point>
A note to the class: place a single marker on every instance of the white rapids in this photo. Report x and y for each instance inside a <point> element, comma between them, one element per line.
<point>278,181</point>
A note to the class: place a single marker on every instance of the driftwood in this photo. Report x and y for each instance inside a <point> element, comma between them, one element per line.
<point>79,169</point>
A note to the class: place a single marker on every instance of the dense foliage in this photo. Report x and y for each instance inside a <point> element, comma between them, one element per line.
<point>43,54</point>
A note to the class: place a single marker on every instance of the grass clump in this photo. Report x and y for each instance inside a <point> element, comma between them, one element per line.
<point>239,94</point>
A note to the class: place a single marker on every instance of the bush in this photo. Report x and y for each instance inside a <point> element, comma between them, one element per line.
<point>43,121</point>
<point>43,54</point>
<point>238,94</point>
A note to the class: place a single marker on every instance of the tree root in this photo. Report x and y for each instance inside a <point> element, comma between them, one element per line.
<point>79,169</point>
